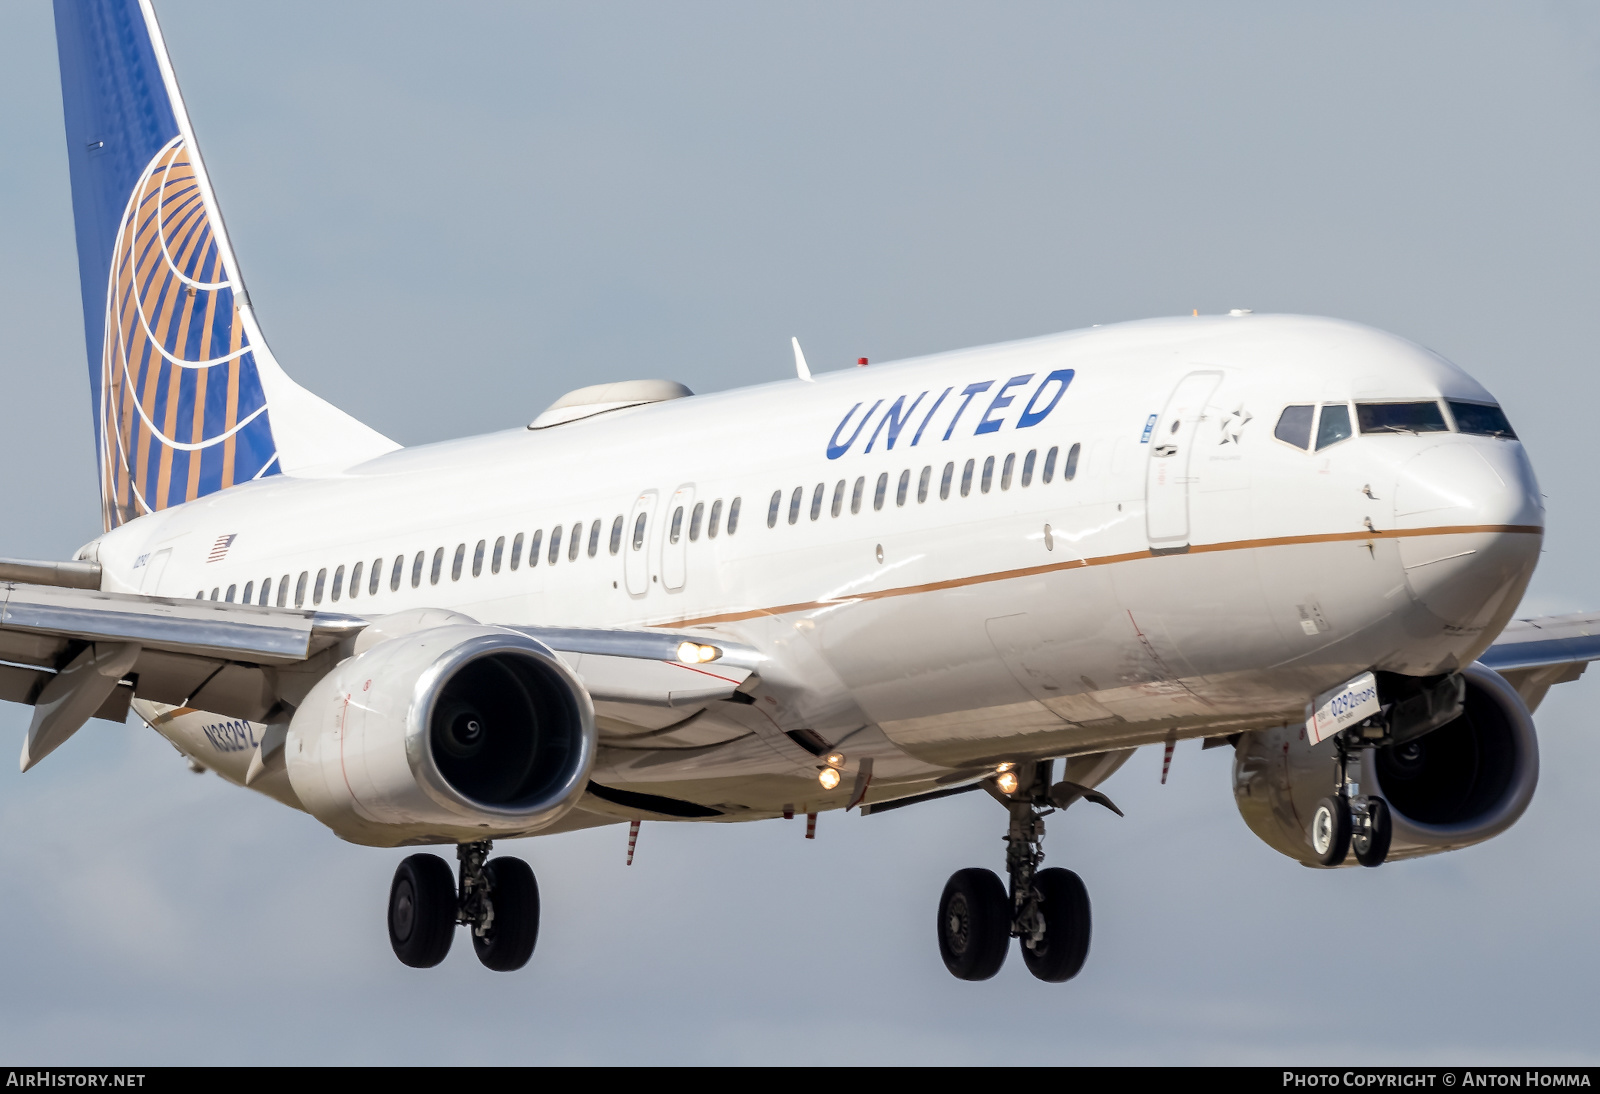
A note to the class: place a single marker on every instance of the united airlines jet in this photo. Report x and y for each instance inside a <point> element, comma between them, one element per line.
<point>996,570</point>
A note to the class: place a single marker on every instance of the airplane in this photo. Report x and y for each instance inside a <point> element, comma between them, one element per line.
<point>998,570</point>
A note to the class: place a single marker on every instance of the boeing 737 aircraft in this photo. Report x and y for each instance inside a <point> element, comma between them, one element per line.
<point>998,570</point>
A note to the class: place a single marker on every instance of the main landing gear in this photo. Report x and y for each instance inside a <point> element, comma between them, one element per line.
<point>1047,911</point>
<point>1347,819</point>
<point>498,899</point>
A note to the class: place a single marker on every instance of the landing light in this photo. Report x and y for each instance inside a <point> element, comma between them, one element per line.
<point>693,653</point>
<point>1007,782</point>
<point>828,777</point>
<point>834,759</point>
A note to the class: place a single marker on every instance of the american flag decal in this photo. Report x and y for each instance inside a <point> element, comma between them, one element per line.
<point>220,548</point>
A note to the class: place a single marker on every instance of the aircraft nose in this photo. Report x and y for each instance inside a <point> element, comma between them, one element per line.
<point>1470,522</point>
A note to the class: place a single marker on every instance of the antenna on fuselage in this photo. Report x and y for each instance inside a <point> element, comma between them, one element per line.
<point>801,369</point>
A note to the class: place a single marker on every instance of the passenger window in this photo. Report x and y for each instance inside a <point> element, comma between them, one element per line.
<point>1005,471</point>
<point>316,590</point>
<point>1401,417</point>
<point>477,557</point>
<point>616,534</point>
<point>966,478</point>
<point>283,591</point>
<point>733,515</point>
<point>1294,426</point>
<point>1485,420</point>
<point>266,593</point>
<point>816,499</point>
<point>338,584</point>
<point>794,503</point>
<point>676,532</point>
<point>377,576</point>
<point>772,508</point>
<point>249,587</point>
<point>437,570</point>
<point>575,542</point>
<point>988,474</point>
<point>533,549</point>
<point>299,589</point>
<point>499,555</point>
<point>233,591</point>
<point>695,520</point>
<point>1049,466</point>
<point>555,544</point>
<point>904,488</point>
<point>355,578</point>
<point>922,484</point>
<point>416,569</point>
<point>1027,466</point>
<point>516,551</point>
<point>638,531</point>
<point>216,592</point>
<point>882,489</point>
<point>1069,470</point>
<point>855,495</point>
<point>716,519</point>
<point>945,480</point>
<point>1333,426</point>
<point>458,561</point>
<point>594,539</point>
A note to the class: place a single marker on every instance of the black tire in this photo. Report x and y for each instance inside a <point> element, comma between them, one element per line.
<point>974,924</point>
<point>1330,831</point>
<point>422,911</point>
<point>509,942</point>
<point>1064,902</point>
<point>1372,847</point>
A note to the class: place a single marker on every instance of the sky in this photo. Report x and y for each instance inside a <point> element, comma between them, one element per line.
<point>449,215</point>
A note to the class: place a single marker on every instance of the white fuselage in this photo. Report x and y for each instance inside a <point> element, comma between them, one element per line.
<point>1195,576</point>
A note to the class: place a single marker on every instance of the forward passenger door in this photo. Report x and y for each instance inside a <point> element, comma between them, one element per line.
<point>1168,476</point>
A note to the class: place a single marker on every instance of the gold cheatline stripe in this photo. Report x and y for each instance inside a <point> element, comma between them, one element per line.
<point>1103,560</point>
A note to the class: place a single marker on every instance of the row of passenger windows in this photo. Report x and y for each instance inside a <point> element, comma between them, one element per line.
<point>880,493</point>
<point>578,541</point>
<point>1332,425</point>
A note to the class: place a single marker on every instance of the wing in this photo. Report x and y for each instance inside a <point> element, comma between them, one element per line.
<point>76,653</point>
<point>1534,654</point>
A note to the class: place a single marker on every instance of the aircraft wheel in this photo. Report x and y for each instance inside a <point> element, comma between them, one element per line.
<point>1372,845</point>
<point>974,924</point>
<point>1330,830</point>
<point>422,911</point>
<point>514,894</point>
<point>1064,903</point>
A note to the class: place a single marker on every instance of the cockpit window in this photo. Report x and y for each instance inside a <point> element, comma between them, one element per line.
<point>1294,426</point>
<point>1333,426</point>
<point>1401,418</point>
<point>1484,420</point>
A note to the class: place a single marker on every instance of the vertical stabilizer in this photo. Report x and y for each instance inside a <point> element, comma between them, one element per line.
<point>188,399</point>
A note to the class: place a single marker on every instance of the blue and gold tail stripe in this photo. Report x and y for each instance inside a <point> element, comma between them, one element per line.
<point>183,413</point>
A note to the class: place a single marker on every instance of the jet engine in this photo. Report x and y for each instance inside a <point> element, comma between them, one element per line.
<point>1462,783</point>
<point>442,735</point>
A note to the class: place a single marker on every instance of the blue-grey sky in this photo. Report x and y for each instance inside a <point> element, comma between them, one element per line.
<point>448,215</point>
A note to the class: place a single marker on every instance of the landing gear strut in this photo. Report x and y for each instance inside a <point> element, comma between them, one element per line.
<point>1047,911</point>
<point>1347,819</point>
<point>498,899</point>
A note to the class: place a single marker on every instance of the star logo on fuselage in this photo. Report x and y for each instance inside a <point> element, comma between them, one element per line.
<point>1233,425</point>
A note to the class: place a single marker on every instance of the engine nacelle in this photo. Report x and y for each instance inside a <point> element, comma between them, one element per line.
<point>443,735</point>
<point>1468,780</point>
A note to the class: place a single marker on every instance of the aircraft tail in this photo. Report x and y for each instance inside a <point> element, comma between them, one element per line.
<point>188,399</point>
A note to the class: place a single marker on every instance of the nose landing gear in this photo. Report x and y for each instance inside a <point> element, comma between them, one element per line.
<point>1047,911</point>
<point>498,899</point>
<point>1346,819</point>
